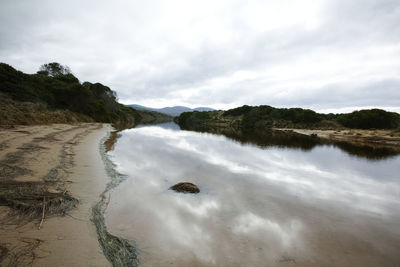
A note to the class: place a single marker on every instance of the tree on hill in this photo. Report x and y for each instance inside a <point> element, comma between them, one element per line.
<point>54,69</point>
<point>370,118</point>
<point>57,88</point>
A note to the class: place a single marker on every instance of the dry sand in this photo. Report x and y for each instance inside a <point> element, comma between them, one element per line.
<point>63,161</point>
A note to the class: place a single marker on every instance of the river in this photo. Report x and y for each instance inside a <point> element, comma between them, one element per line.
<point>271,205</point>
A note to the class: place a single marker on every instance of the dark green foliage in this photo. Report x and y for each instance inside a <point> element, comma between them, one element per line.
<point>329,116</point>
<point>153,117</point>
<point>271,138</point>
<point>59,89</point>
<point>54,69</point>
<point>193,119</point>
<point>203,115</point>
<point>68,78</point>
<point>256,118</point>
<point>298,115</point>
<point>264,117</point>
<point>238,111</point>
<point>252,118</point>
<point>370,119</point>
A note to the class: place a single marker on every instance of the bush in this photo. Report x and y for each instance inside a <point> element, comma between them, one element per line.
<point>195,119</point>
<point>369,119</point>
<point>237,111</point>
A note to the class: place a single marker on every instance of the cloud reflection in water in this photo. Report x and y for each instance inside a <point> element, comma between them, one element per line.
<point>254,203</point>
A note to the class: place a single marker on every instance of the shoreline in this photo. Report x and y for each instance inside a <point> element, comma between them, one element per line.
<point>118,251</point>
<point>62,162</point>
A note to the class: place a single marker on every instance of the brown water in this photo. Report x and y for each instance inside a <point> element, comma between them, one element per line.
<point>258,206</point>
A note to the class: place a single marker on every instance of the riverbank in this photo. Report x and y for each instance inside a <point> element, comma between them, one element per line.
<point>50,178</point>
<point>373,138</point>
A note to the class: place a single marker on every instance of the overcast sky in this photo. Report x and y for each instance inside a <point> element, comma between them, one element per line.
<point>328,55</point>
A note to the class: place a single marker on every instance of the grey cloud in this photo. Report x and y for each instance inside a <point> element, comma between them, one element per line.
<point>157,50</point>
<point>379,94</point>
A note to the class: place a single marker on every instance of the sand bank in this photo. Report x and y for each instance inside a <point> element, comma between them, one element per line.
<point>374,138</point>
<point>56,169</point>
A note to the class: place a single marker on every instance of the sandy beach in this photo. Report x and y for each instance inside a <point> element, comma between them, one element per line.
<point>50,178</point>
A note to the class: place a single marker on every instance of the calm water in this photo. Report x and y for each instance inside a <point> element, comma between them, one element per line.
<point>258,206</point>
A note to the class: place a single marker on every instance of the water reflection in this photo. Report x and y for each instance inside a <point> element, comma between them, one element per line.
<point>290,139</point>
<point>256,206</point>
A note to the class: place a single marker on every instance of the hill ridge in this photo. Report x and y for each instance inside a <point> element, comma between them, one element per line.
<point>172,110</point>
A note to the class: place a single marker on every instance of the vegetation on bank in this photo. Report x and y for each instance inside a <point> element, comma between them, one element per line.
<point>248,118</point>
<point>55,90</point>
<point>370,119</point>
<point>14,112</point>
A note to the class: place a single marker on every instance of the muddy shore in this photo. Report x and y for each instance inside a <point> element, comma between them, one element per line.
<point>51,176</point>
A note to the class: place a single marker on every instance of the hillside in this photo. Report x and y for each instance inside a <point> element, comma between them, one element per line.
<point>247,118</point>
<point>29,113</point>
<point>54,94</point>
<point>171,111</point>
<point>375,128</point>
<point>153,117</point>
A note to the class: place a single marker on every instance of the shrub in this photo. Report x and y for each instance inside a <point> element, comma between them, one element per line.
<point>369,119</point>
<point>237,111</point>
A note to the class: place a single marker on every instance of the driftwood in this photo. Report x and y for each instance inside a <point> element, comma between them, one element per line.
<point>30,200</point>
<point>43,212</point>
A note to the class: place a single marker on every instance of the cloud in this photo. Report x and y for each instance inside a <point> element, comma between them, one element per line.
<point>325,54</point>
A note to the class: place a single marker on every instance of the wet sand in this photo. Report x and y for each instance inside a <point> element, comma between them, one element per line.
<point>63,162</point>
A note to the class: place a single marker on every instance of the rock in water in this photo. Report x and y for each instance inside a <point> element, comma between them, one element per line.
<point>185,188</point>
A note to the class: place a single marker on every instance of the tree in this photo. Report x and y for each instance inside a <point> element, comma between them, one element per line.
<point>370,118</point>
<point>54,69</point>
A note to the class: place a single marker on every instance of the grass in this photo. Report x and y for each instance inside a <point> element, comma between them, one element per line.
<point>28,113</point>
<point>27,200</point>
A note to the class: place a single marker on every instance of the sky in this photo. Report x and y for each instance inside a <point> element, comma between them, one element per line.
<point>326,55</point>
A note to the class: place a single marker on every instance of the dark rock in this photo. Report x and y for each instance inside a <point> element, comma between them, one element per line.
<point>185,188</point>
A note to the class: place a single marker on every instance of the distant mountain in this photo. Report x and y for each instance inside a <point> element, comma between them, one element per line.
<point>172,111</point>
<point>203,109</point>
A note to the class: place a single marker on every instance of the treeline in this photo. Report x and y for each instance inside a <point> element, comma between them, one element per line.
<point>248,118</point>
<point>55,86</point>
<point>192,119</point>
<point>369,119</point>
